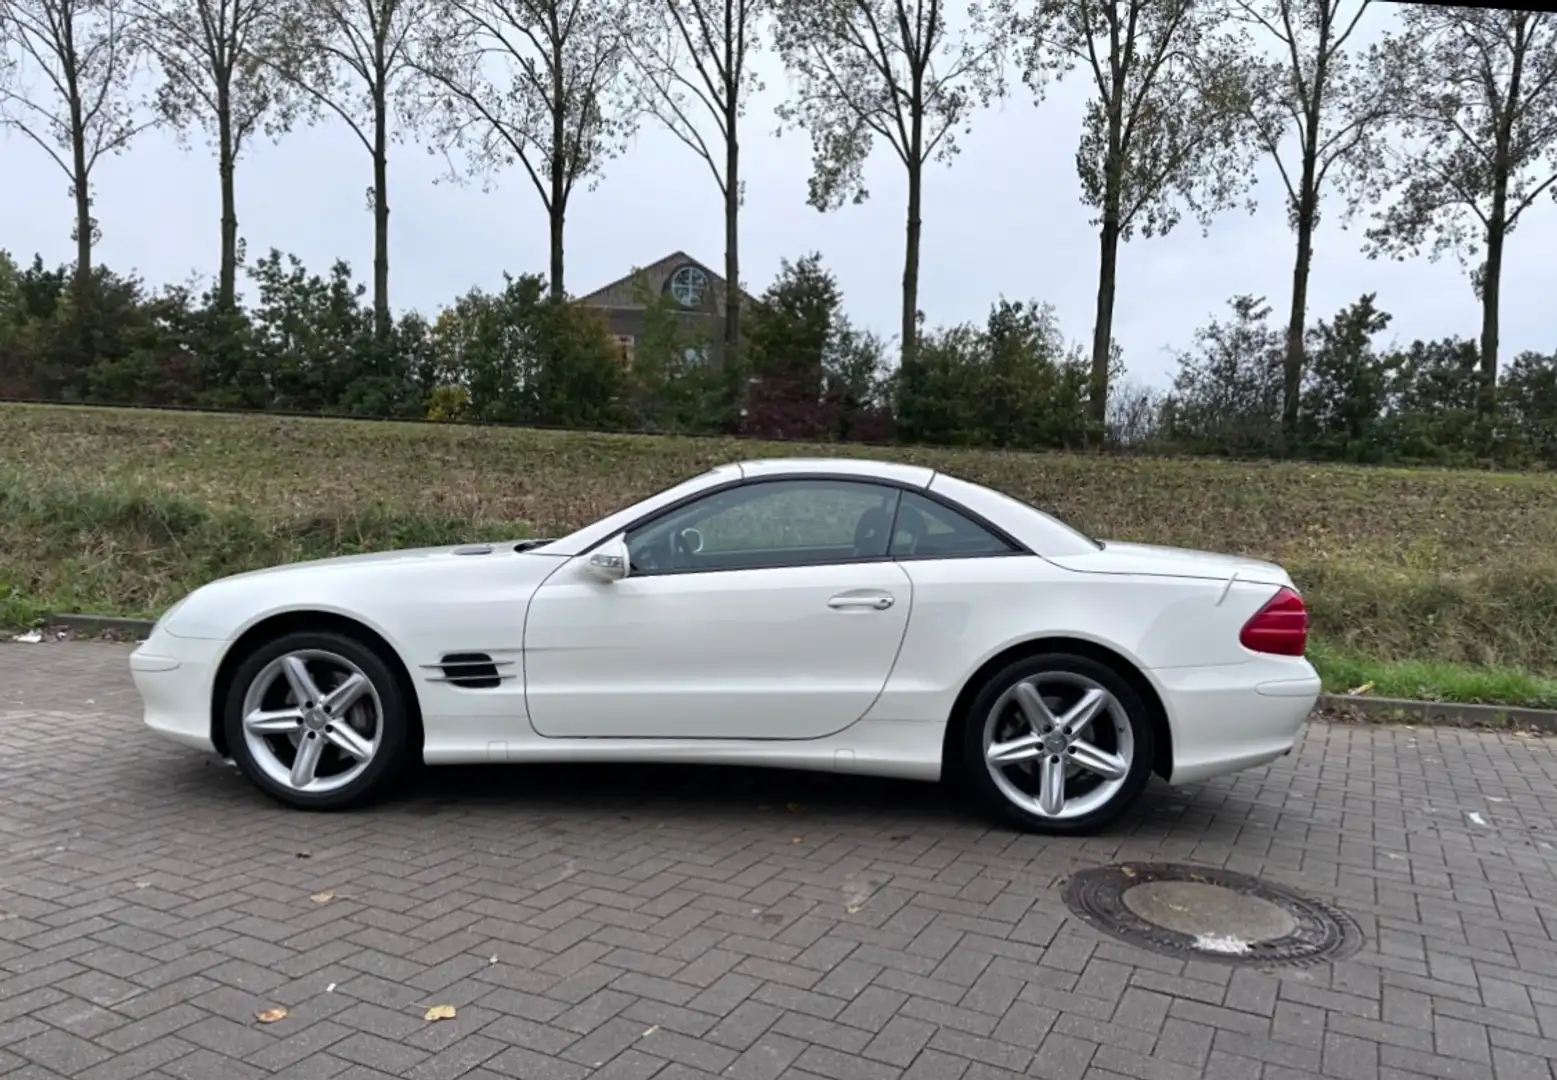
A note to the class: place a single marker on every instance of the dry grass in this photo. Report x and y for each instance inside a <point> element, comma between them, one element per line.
<point>122,510</point>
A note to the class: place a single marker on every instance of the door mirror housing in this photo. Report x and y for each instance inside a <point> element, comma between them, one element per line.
<point>609,562</point>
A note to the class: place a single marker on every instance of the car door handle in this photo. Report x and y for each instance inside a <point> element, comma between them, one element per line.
<point>846,602</point>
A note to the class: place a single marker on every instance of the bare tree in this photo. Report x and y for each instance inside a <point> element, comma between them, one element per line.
<point>540,82</point>
<point>1475,93</point>
<point>68,90</point>
<point>1314,114</point>
<point>213,76</point>
<point>352,58</point>
<point>693,71</point>
<point>889,69</point>
<point>1164,132</point>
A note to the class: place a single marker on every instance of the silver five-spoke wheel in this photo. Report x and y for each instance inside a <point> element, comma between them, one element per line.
<point>1058,743</point>
<point>312,720</point>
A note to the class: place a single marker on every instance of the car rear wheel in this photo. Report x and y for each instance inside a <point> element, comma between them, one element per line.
<point>317,721</point>
<point>1058,743</point>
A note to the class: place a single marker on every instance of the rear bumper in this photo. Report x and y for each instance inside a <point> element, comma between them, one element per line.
<point>174,677</point>
<point>1228,718</point>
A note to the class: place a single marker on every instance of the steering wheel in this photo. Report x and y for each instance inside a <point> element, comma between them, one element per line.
<point>655,554</point>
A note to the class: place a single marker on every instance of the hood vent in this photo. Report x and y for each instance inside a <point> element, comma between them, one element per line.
<point>474,549</point>
<point>472,670</point>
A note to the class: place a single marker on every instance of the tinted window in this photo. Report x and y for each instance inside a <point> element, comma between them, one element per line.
<point>927,529</point>
<point>776,523</point>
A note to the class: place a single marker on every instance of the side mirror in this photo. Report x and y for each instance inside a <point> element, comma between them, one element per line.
<point>610,561</point>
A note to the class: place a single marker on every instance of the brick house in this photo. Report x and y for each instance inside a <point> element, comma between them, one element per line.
<point>697,291</point>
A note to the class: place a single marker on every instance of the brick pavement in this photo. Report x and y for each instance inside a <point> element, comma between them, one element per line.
<point>635,923</point>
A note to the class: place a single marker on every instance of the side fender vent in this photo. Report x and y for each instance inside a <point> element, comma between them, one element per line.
<point>472,670</point>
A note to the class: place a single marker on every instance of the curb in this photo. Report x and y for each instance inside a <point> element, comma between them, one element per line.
<point>1375,709</point>
<point>99,623</point>
<point>1441,714</point>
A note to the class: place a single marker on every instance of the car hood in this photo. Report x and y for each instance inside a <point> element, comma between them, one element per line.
<point>384,560</point>
<point>1157,561</point>
<point>351,584</point>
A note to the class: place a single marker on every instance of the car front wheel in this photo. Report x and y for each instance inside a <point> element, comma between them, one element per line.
<point>1058,743</point>
<point>317,721</point>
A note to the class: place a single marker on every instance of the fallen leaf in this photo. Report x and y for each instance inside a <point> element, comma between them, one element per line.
<point>1363,689</point>
<point>270,1016</point>
<point>493,960</point>
<point>143,884</point>
<point>797,839</point>
<point>649,1031</point>
<point>441,1012</point>
<point>854,909</point>
<point>322,897</point>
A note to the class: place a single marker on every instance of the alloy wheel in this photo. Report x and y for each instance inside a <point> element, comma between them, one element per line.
<point>312,721</point>
<point>1058,745</point>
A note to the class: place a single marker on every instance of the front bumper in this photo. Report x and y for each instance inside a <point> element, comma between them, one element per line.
<point>1228,718</point>
<point>174,677</point>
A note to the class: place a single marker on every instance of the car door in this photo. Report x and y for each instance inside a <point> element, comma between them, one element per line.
<point>767,609</point>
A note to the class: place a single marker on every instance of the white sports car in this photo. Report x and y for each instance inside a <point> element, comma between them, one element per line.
<point>835,614</point>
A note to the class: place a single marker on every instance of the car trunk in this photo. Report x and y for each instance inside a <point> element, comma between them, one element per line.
<point>1156,561</point>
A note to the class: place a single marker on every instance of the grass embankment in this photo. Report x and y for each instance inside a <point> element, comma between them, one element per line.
<point>1424,582</point>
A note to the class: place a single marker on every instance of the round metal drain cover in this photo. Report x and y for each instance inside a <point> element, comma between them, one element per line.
<point>1210,914</point>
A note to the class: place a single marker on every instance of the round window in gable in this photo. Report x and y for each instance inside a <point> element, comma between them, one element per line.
<point>688,285</point>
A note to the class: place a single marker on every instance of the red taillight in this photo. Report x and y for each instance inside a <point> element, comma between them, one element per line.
<point>1280,627</point>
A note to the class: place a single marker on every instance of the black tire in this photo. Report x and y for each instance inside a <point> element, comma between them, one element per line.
<point>389,763</point>
<point>976,774</point>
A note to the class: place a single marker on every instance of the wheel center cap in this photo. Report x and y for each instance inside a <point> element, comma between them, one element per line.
<point>314,720</point>
<point>1055,742</point>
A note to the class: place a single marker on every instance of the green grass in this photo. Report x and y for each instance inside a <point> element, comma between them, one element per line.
<point>1428,680</point>
<point>1445,581</point>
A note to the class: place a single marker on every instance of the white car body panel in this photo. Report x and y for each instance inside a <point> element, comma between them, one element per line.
<point>753,666</point>
<point>745,654</point>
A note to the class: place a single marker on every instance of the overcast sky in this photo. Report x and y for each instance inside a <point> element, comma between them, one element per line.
<point>1004,219</point>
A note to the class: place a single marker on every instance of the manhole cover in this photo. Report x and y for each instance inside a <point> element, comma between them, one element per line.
<point>1211,914</point>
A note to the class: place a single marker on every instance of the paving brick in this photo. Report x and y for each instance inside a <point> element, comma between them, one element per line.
<point>667,929</point>
<point>60,1051</point>
<point>1062,1057</point>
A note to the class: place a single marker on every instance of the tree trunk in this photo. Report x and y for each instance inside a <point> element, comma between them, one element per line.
<point>561,167</point>
<point>1491,285</point>
<point>910,329</point>
<point>382,324</point>
<point>1292,369</point>
<point>732,239</point>
<point>558,218</point>
<point>83,192</point>
<point>83,219</point>
<point>227,285</point>
<point>1497,230</point>
<point>1103,326</point>
<point>1108,260</point>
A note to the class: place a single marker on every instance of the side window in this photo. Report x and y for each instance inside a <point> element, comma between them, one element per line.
<point>765,524</point>
<point>927,529</point>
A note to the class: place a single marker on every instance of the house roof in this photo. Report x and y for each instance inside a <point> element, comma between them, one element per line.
<point>620,293</point>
